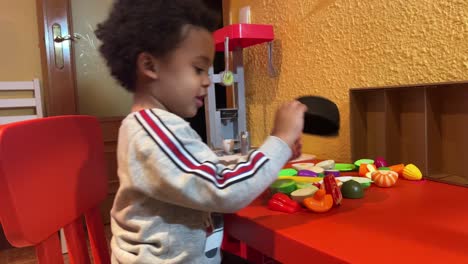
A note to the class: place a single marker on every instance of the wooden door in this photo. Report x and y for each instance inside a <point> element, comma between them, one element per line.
<point>60,81</point>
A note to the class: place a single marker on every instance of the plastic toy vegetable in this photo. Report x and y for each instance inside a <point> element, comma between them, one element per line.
<point>331,187</point>
<point>320,202</point>
<point>326,164</point>
<point>411,172</point>
<point>345,167</point>
<point>302,185</point>
<point>352,189</point>
<point>287,172</point>
<point>316,169</point>
<point>364,170</point>
<point>365,182</point>
<point>302,166</point>
<point>398,169</point>
<point>284,186</point>
<point>335,173</point>
<point>307,173</point>
<point>380,162</point>
<point>282,203</point>
<point>301,194</point>
<point>300,179</point>
<point>363,161</point>
<point>383,178</point>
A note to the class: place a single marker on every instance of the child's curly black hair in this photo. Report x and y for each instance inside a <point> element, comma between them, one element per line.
<point>153,26</point>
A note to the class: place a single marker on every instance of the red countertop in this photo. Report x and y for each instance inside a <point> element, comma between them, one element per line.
<point>412,222</point>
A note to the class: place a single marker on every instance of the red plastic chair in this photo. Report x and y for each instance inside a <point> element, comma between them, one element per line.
<point>52,172</point>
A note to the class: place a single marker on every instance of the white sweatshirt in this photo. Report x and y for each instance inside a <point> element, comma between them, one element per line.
<point>173,190</point>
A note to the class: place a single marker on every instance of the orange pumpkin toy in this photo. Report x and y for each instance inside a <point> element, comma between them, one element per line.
<point>384,178</point>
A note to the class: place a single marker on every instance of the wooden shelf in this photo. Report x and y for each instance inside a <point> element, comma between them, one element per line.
<point>367,123</point>
<point>426,125</point>
<point>243,35</point>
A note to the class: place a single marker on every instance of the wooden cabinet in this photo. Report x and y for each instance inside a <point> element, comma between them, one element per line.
<point>422,124</point>
<point>110,129</point>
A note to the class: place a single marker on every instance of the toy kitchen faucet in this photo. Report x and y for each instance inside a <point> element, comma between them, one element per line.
<point>230,123</point>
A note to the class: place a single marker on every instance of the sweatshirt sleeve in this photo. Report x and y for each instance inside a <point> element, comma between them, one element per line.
<point>173,165</point>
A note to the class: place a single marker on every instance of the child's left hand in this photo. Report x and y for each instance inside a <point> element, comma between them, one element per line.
<point>296,149</point>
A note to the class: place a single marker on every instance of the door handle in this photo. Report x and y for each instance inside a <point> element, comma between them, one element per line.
<point>58,45</point>
<point>60,39</point>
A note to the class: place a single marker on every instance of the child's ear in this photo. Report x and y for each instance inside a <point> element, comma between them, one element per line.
<point>147,65</point>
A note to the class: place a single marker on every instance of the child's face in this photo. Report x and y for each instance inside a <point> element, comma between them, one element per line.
<point>183,78</point>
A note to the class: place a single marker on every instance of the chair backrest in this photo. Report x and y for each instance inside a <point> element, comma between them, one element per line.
<point>52,172</point>
<point>27,102</point>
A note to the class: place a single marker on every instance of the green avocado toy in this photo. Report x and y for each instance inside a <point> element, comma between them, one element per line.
<point>352,189</point>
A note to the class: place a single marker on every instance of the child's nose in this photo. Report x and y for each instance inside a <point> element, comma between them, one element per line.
<point>206,81</point>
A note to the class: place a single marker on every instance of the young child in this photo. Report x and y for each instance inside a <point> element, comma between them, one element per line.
<point>173,189</point>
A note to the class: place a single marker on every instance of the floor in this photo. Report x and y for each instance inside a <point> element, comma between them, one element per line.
<point>28,255</point>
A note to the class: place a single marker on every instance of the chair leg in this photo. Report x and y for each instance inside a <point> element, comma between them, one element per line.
<point>48,251</point>
<point>243,250</point>
<point>76,242</point>
<point>63,242</point>
<point>97,236</point>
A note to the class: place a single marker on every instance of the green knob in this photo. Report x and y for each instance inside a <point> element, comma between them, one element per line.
<point>227,78</point>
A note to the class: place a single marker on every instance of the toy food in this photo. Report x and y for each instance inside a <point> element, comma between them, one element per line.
<point>344,167</point>
<point>302,185</point>
<point>287,172</point>
<point>317,169</point>
<point>320,202</point>
<point>365,182</point>
<point>283,186</point>
<point>335,173</point>
<point>302,166</point>
<point>300,178</point>
<point>318,185</point>
<point>301,194</point>
<point>384,178</point>
<point>320,194</point>
<point>306,173</point>
<point>326,164</point>
<point>281,202</point>
<point>411,172</point>
<point>363,161</point>
<point>380,162</point>
<point>365,170</point>
<point>344,178</point>
<point>352,189</point>
<point>398,169</point>
<point>331,187</point>
<point>338,182</point>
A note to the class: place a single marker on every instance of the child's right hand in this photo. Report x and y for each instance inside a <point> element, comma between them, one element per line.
<point>289,122</point>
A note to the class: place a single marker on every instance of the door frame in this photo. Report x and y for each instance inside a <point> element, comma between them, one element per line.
<point>60,94</point>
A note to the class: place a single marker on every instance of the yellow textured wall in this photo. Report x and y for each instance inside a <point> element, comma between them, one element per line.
<point>325,47</point>
<point>19,45</point>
